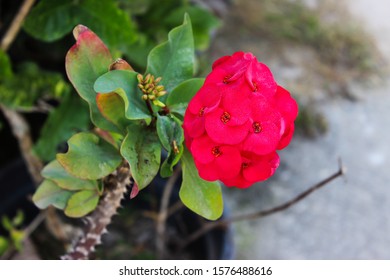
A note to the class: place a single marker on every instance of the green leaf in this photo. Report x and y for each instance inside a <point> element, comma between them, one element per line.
<point>51,20</point>
<point>203,22</point>
<point>202,197</point>
<point>82,203</point>
<point>70,117</point>
<point>112,107</point>
<point>56,172</point>
<point>171,136</point>
<point>5,66</point>
<point>181,95</point>
<point>29,84</point>
<point>174,60</point>
<point>142,149</point>
<point>18,219</point>
<point>48,193</point>
<point>124,83</point>
<point>4,244</point>
<point>87,60</point>
<point>89,157</point>
<point>17,237</point>
<point>6,223</point>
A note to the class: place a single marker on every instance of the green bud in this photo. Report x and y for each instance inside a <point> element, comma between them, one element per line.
<point>145,97</point>
<point>158,103</point>
<point>139,78</point>
<point>160,88</point>
<point>147,78</point>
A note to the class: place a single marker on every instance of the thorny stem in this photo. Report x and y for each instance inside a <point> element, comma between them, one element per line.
<point>262,213</point>
<point>96,223</point>
<point>13,30</point>
<point>164,213</point>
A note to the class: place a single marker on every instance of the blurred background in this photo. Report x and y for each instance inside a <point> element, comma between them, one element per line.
<point>331,55</point>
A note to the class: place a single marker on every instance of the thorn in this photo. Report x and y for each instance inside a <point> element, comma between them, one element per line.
<point>134,191</point>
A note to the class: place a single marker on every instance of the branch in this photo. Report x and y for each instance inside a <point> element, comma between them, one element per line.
<point>97,222</point>
<point>164,213</point>
<point>21,131</point>
<point>13,30</point>
<point>262,213</point>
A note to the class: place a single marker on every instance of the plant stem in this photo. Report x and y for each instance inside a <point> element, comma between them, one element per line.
<point>149,107</point>
<point>262,213</point>
<point>97,222</point>
<point>13,30</point>
<point>164,213</point>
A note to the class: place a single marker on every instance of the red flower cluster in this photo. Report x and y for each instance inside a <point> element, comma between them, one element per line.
<point>237,120</point>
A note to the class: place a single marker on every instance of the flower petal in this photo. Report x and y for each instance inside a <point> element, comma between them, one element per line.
<point>239,182</point>
<point>207,171</point>
<point>228,163</point>
<point>222,133</point>
<point>286,137</point>
<point>286,105</point>
<point>261,168</point>
<point>205,100</point>
<point>201,149</point>
<point>260,78</point>
<point>263,142</point>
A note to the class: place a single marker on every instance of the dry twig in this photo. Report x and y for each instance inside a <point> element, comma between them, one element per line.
<point>16,24</point>
<point>21,131</point>
<point>262,213</point>
<point>164,213</point>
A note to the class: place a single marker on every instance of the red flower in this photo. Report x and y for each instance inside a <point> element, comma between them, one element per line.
<point>265,131</point>
<point>254,168</point>
<point>215,161</point>
<point>243,66</point>
<point>237,120</point>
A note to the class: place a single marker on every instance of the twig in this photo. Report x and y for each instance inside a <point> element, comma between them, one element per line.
<point>164,212</point>
<point>26,233</point>
<point>21,131</point>
<point>13,30</point>
<point>97,222</point>
<point>175,207</point>
<point>262,213</point>
<point>34,224</point>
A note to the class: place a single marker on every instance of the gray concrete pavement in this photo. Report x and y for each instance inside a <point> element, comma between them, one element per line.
<point>349,218</point>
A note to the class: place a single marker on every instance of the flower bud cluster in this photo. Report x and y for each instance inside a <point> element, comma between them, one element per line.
<point>150,88</point>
